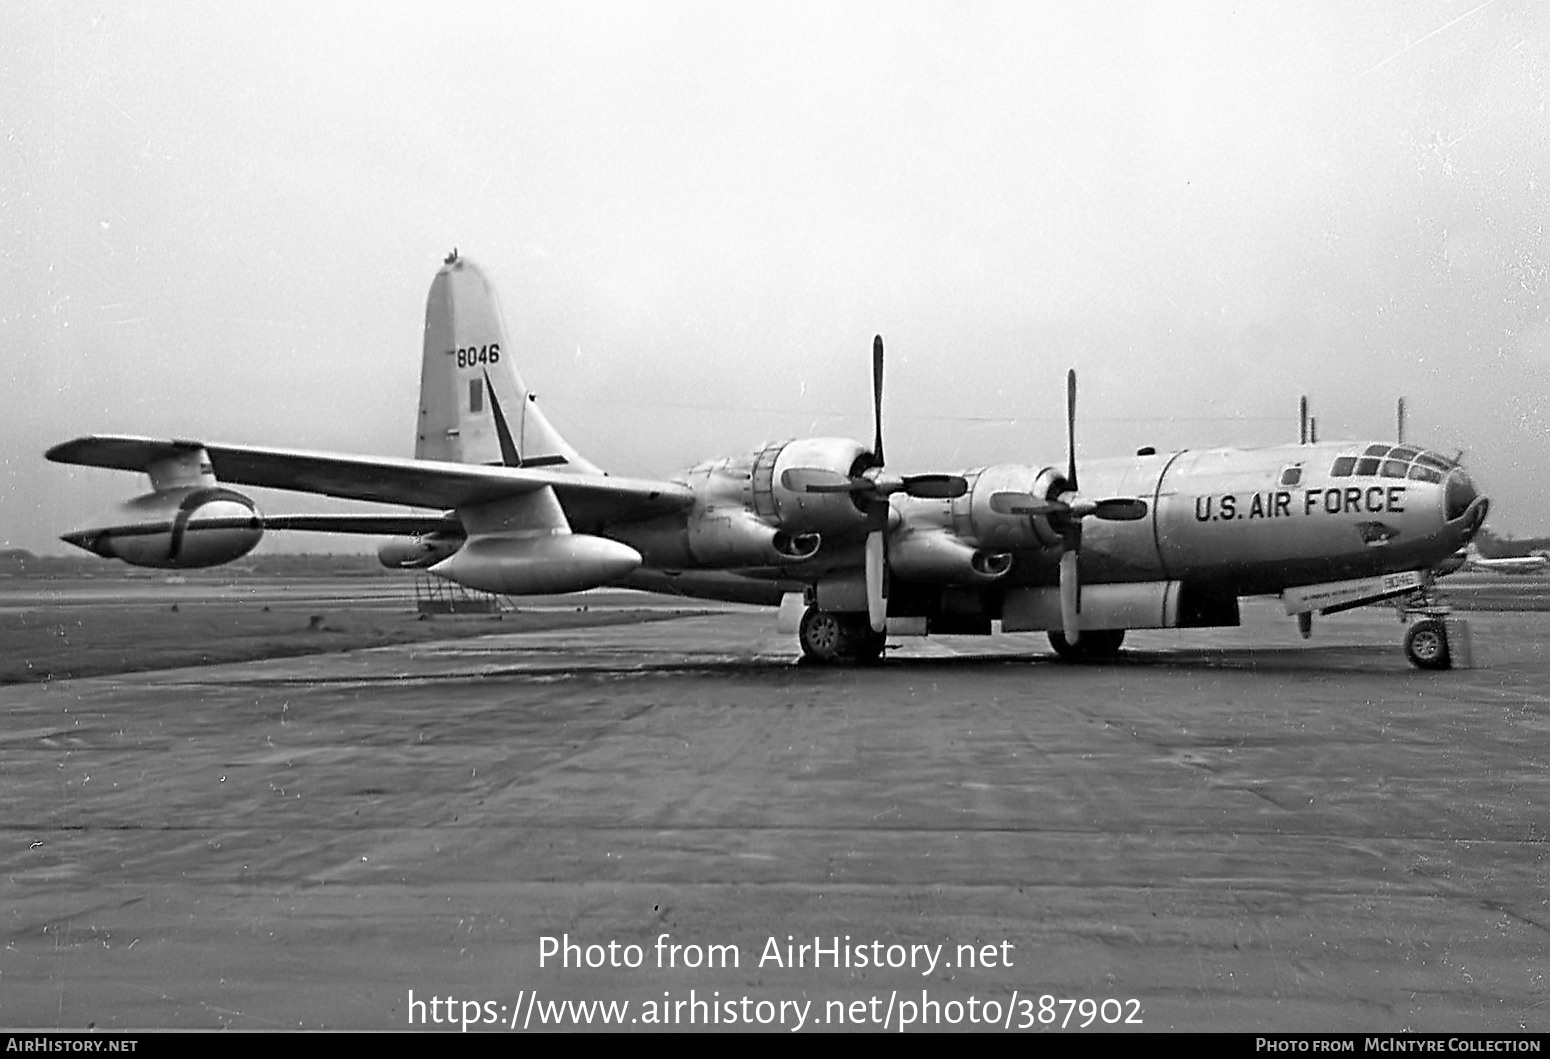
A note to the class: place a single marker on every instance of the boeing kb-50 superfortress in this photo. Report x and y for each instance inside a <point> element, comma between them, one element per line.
<point>1155,540</point>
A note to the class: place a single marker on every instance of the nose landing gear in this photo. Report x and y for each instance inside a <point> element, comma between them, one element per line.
<point>1432,640</point>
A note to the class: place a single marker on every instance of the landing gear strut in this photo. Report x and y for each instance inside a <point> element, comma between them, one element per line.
<point>839,639</point>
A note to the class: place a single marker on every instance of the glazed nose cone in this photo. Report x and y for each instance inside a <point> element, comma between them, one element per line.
<point>1459,493</point>
<point>1462,500</point>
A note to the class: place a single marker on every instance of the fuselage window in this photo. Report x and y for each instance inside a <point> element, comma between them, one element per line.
<point>1342,469</point>
<point>1433,461</point>
<point>1377,450</point>
<point>1394,468</point>
<point>1367,465</point>
<point>1406,453</point>
<point>1424,474</point>
<point>1291,476</point>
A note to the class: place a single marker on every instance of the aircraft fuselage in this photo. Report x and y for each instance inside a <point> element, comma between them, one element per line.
<point>1247,520</point>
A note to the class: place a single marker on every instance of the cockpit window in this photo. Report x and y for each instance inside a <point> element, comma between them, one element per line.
<point>1292,475</point>
<point>1394,461</point>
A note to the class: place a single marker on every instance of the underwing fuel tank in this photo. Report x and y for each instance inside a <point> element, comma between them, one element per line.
<point>184,528</point>
<point>538,564</point>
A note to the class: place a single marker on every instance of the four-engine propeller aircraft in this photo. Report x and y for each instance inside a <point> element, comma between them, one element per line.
<point>1155,540</point>
<point>1515,564</point>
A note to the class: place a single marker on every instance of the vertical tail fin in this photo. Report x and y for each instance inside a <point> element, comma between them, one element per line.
<point>474,407</point>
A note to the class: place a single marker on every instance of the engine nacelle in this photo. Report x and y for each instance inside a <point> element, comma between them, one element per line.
<point>735,536</point>
<point>538,564</point>
<point>974,517</point>
<point>418,552</point>
<point>179,529</point>
<point>940,556</point>
<point>800,511</point>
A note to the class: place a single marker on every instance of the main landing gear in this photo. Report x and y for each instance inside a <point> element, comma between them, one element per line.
<point>1094,645</point>
<point>839,639</point>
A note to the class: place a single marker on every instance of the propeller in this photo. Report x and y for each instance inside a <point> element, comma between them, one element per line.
<point>871,489</point>
<point>1067,513</point>
<point>877,507</point>
<point>1112,509</point>
<point>1071,538</point>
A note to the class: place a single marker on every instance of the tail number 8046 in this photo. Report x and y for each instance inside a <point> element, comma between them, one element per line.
<point>473,356</point>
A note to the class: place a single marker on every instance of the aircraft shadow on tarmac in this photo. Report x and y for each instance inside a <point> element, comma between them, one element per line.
<point>1289,661</point>
<point>1260,659</point>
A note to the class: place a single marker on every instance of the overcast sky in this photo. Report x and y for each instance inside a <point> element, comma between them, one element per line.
<point>221,221</point>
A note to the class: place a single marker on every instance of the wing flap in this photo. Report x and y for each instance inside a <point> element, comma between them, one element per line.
<point>589,500</point>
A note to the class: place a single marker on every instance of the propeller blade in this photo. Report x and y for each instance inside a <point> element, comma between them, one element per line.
<point>1070,598</point>
<point>1120,509</point>
<point>1024,504</point>
<point>935,486</point>
<point>877,395</point>
<point>1071,429</point>
<point>817,480</point>
<point>876,602</point>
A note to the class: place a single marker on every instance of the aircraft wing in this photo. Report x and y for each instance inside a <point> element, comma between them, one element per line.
<point>590,501</point>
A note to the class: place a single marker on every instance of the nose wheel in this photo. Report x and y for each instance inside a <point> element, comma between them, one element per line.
<point>1426,644</point>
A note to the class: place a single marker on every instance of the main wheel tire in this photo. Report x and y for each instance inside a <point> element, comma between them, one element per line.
<point>1110,645</point>
<point>839,639</point>
<point>866,645</point>
<point>822,635</point>
<point>1068,651</point>
<point>1093,644</point>
<point>1426,645</point>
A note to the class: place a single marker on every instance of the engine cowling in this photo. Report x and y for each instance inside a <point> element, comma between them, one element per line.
<point>180,529</point>
<point>941,556</point>
<point>417,552</point>
<point>799,511</point>
<point>974,515</point>
<point>539,564</point>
